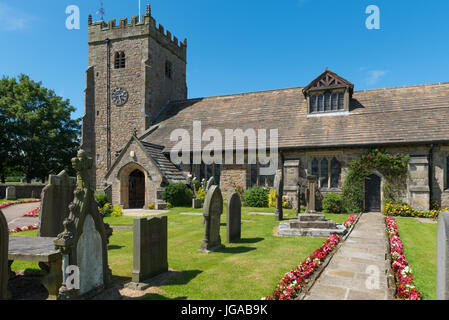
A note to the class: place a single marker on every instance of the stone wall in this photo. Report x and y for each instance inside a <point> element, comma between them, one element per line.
<point>23,191</point>
<point>232,174</point>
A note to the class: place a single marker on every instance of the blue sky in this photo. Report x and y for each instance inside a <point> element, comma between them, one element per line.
<point>242,45</point>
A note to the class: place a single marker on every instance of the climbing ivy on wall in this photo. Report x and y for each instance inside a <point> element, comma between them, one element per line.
<point>393,167</point>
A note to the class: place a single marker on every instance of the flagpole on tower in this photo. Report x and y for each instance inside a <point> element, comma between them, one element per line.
<point>139,12</point>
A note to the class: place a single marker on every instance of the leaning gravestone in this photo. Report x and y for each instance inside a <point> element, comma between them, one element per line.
<point>11,193</point>
<point>84,241</point>
<point>56,198</point>
<point>211,182</point>
<point>234,219</point>
<point>150,248</point>
<point>213,208</point>
<point>4,269</point>
<point>279,189</point>
<point>443,257</point>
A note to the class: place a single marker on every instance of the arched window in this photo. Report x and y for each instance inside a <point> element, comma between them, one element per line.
<point>120,60</point>
<point>315,167</point>
<point>335,172</point>
<point>324,174</point>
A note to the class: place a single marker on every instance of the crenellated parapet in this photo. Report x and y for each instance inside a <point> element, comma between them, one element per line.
<point>100,31</point>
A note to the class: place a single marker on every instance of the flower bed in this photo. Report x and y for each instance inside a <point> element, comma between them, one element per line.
<point>350,222</point>
<point>404,210</point>
<point>403,273</point>
<point>293,282</point>
<point>8,204</point>
<point>33,213</point>
<point>23,229</point>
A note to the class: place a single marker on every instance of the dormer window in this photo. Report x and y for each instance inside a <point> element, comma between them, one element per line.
<point>327,102</point>
<point>328,93</point>
<point>120,60</point>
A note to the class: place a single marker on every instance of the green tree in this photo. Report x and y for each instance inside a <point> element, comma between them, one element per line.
<point>42,137</point>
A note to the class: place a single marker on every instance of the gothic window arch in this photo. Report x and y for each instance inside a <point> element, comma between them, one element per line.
<point>120,60</point>
<point>327,169</point>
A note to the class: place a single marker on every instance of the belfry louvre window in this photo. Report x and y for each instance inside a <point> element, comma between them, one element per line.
<point>327,170</point>
<point>120,60</point>
<point>327,102</point>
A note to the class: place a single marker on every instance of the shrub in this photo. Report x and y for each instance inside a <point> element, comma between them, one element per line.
<point>272,200</point>
<point>201,194</point>
<point>106,210</point>
<point>401,209</point>
<point>256,197</point>
<point>102,199</point>
<point>333,203</point>
<point>178,195</point>
<point>117,211</point>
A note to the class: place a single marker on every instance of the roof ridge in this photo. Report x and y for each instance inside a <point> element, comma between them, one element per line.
<point>423,85</point>
<point>432,84</point>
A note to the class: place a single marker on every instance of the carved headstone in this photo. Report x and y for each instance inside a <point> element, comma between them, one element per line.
<point>4,269</point>
<point>11,193</point>
<point>234,219</point>
<point>211,182</point>
<point>84,240</point>
<point>279,188</point>
<point>150,248</point>
<point>311,191</point>
<point>443,257</point>
<point>213,208</point>
<point>56,198</point>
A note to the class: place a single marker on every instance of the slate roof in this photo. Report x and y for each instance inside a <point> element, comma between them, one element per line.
<point>412,114</point>
<point>166,167</point>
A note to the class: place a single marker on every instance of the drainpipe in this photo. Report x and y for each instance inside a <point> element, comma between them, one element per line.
<point>431,175</point>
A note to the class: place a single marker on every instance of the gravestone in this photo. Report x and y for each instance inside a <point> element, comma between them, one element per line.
<point>279,189</point>
<point>4,269</point>
<point>11,193</point>
<point>311,191</point>
<point>443,257</point>
<point>56,198</point>
<point>213,208</point>
<point>234,219</point>
<point>84,241</point>
<point>150,248</point>
<point>211,182</point>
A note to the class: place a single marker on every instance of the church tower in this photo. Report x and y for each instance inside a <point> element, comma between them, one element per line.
<point>134,70</point>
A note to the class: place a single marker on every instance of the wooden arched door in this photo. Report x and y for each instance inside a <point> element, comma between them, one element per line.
<point>136,190</point>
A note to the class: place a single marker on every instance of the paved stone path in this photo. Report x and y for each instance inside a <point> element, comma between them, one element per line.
<point>14,215</point>
<point>347,275</point>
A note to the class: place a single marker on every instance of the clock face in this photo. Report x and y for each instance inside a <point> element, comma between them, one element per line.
<point>119,96</point>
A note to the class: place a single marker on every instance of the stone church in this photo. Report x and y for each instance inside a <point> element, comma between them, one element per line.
<point>136,96</point>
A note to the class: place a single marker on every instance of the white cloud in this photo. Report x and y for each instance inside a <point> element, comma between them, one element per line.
<point>13,19</point>
<point>374,76</point>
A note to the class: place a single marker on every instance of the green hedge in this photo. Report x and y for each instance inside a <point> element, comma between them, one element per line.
<point>178,195</point>
<point>256,197</point>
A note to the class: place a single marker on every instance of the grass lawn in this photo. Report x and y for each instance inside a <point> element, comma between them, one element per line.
<point>246,270</point>
<point>420,245</point>
<point>3,201</point>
